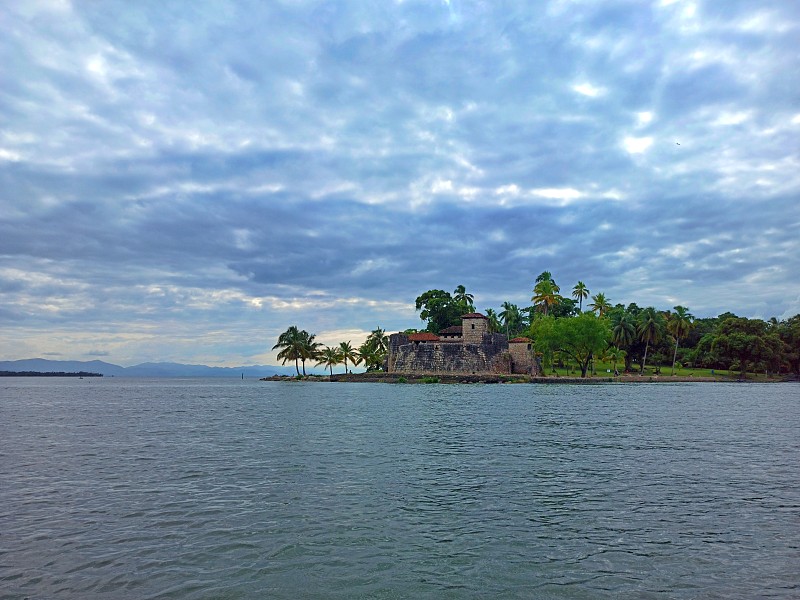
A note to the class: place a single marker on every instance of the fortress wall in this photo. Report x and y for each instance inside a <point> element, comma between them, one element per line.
<point>452,358</point>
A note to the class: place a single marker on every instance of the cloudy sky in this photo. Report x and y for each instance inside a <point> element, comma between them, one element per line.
<point>181,181</point>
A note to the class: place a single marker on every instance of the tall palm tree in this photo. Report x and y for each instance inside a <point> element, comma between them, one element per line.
<point>600,304</point>
<point>545,294</point>
<point>547,276</point>
<point>615,354</point>
<point>348,353</point>
<point>378,339</point>
<point>651,328</point>
<point>679,324</point>
<point>511,317</point>
<point>330,357</point>
<point>494,323</point>
<point>623,329</point>
<point>291,344</point>
<point>580,292</point>
<point>461,296</point>
<point>309,349</point>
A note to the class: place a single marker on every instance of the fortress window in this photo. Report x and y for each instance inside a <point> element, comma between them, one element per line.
<point>473,325</point>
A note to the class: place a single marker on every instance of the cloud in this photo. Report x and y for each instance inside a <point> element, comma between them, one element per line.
<point>185,185</point>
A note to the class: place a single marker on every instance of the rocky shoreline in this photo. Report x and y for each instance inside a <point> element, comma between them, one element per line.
<point>381,377</point>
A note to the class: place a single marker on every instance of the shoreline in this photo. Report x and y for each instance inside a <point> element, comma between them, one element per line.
<point>489,378</point>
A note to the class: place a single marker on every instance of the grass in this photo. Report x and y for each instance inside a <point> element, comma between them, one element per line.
<point>666,371</point>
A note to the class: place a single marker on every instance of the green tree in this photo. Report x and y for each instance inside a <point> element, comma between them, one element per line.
<point>789,332</point>
<point>348,353</point>
<point>291,342</point>
<point>439,309</point>
<point>679,324</point>
<point>545,294</point>
<point>578,338</point>
<point>378,339</point>
<point>309,349</point>
<point>494,323</point>
<point>650,330</point>
<point>746,342</point>
<point>511,318</point>
<point>465,300</point>
<point>330,357</point>
<point>623,328</point>
<point>600,304</point>
<point>547,276</point>
<point>580,292</point>
<point>615,354</point>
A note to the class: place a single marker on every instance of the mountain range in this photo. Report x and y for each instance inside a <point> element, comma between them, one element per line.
<point>162,369</point>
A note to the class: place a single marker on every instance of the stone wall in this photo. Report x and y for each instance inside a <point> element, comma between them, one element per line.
<point>522,357</point>
<point>490,356</point>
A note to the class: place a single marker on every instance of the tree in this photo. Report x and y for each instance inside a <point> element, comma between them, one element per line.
<point>348,353</point>
<point>650,329</point>
<point>547,276</point>
<point>439,309</point>
<point>545,294</point>
<point>679,324</point>
<point>580,292</point>
<point>789,332</point>
<point>746,342</point>
<point>378,340</point>
<point>578,337</point>
<point>511,318</point>
<point>373,351</point>
<point>494,323</point>
<point>309,349</point>
<point>623,328</point>
<point>600,304</point>
<point>291,343</point>
<point>465,300</point>
<point>615,354</point>
<point>330,357</point>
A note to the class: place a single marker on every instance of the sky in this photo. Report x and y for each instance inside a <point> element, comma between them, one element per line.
<point>182,181</point>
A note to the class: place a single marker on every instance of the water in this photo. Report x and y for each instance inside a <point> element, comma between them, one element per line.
<point>244,489</point>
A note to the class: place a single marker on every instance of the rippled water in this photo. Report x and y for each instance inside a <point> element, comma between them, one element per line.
<point>244,489</point>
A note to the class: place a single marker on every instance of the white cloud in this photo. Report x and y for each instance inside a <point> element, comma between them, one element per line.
<point>637,145</point>
<point>587,89</point>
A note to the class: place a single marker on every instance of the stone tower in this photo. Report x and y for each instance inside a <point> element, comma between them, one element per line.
<point>473,326</point>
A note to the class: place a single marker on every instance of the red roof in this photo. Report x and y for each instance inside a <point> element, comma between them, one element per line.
<point>523,340</point>
<point>423,337</point>
<point>473,316</point>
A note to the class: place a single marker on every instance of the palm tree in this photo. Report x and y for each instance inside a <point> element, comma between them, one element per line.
<point>348,353</point>
<point>545,294</point>
<point>651,327</point>
<point>623,329</point>
<point>599,304</point>
<point>309,349</point>
<point>547,276</point>
<point>494,323</point>
<point>615,354</point>
<point>330,357</point>
<point>378,339</point>
<point>461,296</point>
<point>580,292</point>
<point>511,317</point>
<point>291,344</point>
<point>679,324</point>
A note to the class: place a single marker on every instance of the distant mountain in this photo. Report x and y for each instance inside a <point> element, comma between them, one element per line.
<point>42,365</point>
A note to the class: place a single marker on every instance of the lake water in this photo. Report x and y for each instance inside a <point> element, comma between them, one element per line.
<point>205,488</point>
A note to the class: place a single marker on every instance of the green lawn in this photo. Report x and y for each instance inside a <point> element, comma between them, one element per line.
<point>602,367</point>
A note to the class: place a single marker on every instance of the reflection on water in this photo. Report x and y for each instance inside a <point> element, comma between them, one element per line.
<point>235,489</point>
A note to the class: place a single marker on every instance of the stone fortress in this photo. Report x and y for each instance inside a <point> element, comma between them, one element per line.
<point>468,349</point>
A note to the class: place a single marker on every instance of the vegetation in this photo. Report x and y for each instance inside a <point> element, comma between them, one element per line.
<point>568,340</point>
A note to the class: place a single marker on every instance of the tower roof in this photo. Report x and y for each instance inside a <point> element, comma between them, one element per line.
<point>473,316</point>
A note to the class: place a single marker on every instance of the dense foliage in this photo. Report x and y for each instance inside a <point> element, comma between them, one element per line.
<point>565,334</point>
